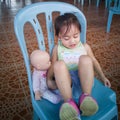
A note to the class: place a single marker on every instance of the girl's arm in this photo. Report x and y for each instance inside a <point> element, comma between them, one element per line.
<point>50,75</point>
<point>97,66</point>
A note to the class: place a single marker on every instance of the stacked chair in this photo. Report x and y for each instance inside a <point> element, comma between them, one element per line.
<point>114,8</point>
<point>82,2</point>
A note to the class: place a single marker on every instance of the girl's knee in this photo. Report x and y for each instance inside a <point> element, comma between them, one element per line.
<point>59,65</point>
<point>85,60</point>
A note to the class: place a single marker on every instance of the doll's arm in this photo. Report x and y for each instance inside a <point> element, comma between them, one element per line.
<point>36,86</point>
<point>38,95</point>
<point>50,75</point>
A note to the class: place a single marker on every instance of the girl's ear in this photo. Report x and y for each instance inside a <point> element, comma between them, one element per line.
<point>59,36</point>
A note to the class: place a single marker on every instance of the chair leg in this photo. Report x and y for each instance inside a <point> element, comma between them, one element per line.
<point>89,2</point>
<point>82,2</point>
<point>74,1</point>
<point>35,116</point>
<point>109,21</point>
<point>98,1</point>
<point>106,3</point>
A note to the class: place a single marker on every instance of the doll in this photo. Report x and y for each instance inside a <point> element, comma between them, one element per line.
<point>40,60</point>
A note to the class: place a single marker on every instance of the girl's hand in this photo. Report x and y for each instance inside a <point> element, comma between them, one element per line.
<point>51,84</point>
<point>107,83</point>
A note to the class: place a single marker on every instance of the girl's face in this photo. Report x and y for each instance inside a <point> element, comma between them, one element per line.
<point>71,38</point>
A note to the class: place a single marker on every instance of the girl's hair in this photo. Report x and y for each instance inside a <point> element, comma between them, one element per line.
<point>66,20</point>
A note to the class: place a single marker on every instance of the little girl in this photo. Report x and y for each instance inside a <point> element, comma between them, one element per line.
<point>73,65</point>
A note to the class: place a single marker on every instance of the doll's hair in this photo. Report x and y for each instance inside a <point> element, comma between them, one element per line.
<point>67,20</point>
<point>38,53</point>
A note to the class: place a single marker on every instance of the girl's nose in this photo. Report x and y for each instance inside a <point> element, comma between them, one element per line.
<point>72,40</point>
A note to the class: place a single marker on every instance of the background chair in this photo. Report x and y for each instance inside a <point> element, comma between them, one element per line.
<point>113,9</point>
<point>82,2</point>
<point>43,109</point>
<point>106,3</point>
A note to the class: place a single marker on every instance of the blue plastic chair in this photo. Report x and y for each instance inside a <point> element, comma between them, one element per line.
<point>43,109</point>
<point>106,3</point>
<point>113,9</point>
<point>82,2</point>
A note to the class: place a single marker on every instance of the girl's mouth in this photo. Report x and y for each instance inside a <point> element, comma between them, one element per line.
<point>72,46</point>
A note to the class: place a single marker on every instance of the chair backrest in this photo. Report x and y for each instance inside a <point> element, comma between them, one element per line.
<point>116,3</point>
<point>29,14</point>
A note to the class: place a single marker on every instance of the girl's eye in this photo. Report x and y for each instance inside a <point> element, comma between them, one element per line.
<point>75,36</point>
<point>66,38</point>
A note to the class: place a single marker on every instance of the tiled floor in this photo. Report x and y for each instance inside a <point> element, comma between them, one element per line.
<point>15,101</point>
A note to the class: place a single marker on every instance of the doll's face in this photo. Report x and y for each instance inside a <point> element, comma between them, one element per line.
<point>40,60</point>
<point>42,63</point>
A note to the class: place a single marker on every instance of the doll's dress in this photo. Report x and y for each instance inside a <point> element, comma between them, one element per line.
<point>39,84</point>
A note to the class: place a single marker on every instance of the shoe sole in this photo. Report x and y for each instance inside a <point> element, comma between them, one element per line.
<point>67,112</point>
<point>88,106</point>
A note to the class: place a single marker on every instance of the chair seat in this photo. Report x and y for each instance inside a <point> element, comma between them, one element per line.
<point>49,109</point>
<point>103,94</point>
<point>52,110</point>
<point>107,113</point>
<point>115,9</point>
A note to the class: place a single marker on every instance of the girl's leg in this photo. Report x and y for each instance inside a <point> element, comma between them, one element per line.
<point>86,73</point>
<point>88,105</point>
<point>69,109</point>
<point>63,79</point>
